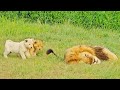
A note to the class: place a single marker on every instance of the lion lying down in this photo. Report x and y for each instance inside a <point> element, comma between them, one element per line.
<point>87,54</point>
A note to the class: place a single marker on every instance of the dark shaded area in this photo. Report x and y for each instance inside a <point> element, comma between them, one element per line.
<point>100,54</point>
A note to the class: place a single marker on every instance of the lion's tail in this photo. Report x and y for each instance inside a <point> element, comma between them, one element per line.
<point>51,51</point>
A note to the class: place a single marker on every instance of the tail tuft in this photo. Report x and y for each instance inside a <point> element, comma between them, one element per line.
<point>49,51</point>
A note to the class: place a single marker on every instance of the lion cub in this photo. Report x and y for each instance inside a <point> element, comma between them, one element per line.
<point>18,47</point>
<point>37,46</point>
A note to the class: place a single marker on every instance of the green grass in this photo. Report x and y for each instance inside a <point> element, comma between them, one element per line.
<point>59,37</point>
<point>86,19</point>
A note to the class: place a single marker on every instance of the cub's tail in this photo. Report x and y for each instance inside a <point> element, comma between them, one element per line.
<point>51,51</point>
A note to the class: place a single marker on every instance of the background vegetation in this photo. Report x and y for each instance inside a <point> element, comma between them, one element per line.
<point>87,19</point>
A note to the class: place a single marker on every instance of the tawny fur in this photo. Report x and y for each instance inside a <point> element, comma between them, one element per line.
<point>37,46</point>
<point>86,57</point>
<point>100,52</point>
<point>89,58</point>
<point>75,57</point>
<point>87,54</point>
<point>110,54</point>
<point>104,54</point>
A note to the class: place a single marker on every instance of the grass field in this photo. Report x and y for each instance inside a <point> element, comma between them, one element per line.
<point>59,37</point>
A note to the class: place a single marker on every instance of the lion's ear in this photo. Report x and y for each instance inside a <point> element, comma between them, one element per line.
<point>26,40</point>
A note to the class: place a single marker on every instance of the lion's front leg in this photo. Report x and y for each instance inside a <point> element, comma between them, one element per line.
<point>22,54</point>
<point>27,53</point>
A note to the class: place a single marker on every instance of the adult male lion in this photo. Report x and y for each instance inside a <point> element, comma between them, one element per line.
<point>87,54</point>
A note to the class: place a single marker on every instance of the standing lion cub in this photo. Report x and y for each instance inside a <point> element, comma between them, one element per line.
<point>37,46</point>
<point>18,47</point>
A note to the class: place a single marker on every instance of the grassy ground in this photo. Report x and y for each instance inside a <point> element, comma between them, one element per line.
<point>59,38</point>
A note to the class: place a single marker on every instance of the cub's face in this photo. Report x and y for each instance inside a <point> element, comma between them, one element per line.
<point>38,45</point>
<point>29,43</point>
